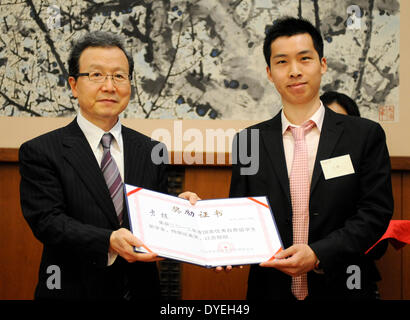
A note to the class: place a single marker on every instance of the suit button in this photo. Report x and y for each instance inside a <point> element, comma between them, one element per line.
<point>315,214</point>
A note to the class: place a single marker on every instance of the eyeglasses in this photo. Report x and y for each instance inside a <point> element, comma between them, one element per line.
<point>119,78</point>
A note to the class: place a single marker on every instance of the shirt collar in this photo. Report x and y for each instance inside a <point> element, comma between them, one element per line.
<point>94,133</point>
<point>317,118</point>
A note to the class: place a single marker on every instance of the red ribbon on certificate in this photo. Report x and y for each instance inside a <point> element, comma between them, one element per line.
<point>273,257</point>
<point>265,205</point>
<point>128,194</point>
<point>133,191</point>
<point>261,203</point>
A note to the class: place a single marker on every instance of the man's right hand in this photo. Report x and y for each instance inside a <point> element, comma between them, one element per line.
<point>122,242</point>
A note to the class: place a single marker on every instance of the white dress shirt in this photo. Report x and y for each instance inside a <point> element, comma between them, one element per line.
<point>93,135</point>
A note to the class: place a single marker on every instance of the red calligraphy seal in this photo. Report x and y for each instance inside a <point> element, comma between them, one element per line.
<point>225,246</point>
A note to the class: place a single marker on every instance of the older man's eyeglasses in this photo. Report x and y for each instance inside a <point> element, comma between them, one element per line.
<point>119,78</point>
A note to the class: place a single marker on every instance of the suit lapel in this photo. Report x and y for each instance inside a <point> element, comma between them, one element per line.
<point>133,169</point>
<point>78,153</point>
<point>273,142</point>
<point>331,132</point>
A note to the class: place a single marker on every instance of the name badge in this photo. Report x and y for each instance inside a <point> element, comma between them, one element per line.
<point>337,167</point>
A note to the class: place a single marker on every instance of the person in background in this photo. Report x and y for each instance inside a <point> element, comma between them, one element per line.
<point>340,103</point>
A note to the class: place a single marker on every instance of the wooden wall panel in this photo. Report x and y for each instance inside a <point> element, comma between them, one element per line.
<point>206,284</point>
<point>208,182</point>
<point>20,251</point>
<point>406,249</point>
<point>390,286</point>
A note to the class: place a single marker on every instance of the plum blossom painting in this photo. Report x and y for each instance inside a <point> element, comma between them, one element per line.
<point>199,59</point>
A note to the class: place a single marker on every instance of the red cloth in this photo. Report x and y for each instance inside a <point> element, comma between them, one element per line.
<point>398,233</point>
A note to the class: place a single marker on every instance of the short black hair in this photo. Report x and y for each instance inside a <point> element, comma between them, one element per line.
<point>343,100</point>
<point>287,27</point>
<point>96,39</point>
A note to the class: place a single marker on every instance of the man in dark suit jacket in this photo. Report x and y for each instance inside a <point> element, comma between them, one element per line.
<point>64,195</point>
<point>347,212</point>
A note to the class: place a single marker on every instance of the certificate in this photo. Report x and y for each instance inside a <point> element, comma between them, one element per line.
<point>218,232</point>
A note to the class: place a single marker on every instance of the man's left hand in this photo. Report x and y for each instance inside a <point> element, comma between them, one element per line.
<point>294,261</point>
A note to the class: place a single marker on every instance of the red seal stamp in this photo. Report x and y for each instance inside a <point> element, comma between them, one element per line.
<point>386,113</point>
<point>225,246</point>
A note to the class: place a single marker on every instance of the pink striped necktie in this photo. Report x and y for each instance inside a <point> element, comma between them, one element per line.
<point>112,176</point>
<point>299,192</point>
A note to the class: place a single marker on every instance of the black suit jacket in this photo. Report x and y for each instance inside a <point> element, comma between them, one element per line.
<point>66,202</point>
<point>348,214</point>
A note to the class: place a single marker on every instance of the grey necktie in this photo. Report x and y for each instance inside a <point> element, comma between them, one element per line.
<point>112,176</point>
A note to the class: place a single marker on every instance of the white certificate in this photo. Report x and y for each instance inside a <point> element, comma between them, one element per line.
<point>219,232</point>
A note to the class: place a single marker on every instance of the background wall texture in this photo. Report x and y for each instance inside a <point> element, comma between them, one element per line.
<point>198,59</point>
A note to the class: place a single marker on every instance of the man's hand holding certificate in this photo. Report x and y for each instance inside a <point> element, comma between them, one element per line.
<point>211,233</point>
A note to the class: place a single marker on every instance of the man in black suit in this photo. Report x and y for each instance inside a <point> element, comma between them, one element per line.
<point>349,197</point>
<point>72,207</point>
